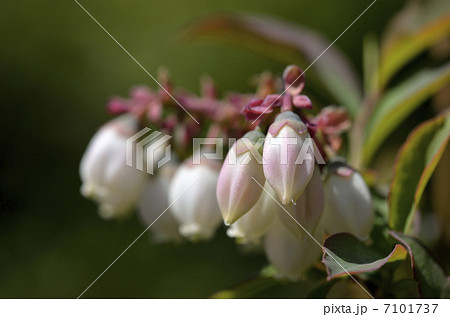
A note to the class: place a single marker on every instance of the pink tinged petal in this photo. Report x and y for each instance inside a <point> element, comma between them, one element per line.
<point>117,106</point>
<point>208,88</point>
<point>282,149</point>
<point>344,171</point>
<point>335,142</point>
<point>237,190</point>
<point>272,101</point>
<point>333,120</point>
<point>154,111</point>
<point>307,210</point>
<point>255,109</point>
<point>302,101</point>
<point>258,107</point>
<point>290,119</point>
<point>141,94</point>
<point>294,80</point>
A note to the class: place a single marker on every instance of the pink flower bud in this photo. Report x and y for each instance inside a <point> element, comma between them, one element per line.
<point>307,210</point>
<point>251,227</point>
<point>348,204</point>
<point>288,164</point>
<point>106,178</point>
<point>237,190</point>
<point>290,256</point>
<point>194,204</point>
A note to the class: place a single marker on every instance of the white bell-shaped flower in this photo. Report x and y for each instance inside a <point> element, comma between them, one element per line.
<point>192,193</point>
<point>348,204</point>
<point>106,178</point>
<point>153,206</point>
<point>291,256</point>
<point>251,227</point>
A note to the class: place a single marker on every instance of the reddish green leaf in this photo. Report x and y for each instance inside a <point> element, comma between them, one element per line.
<point>345,254</point>
<point>433,282</point>
<point>416,161</point>
<point>417,27</point>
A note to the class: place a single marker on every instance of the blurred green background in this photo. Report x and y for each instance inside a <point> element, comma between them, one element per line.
<point>58,68</point>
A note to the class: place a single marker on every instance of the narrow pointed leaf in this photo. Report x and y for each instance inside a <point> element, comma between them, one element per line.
<point>416,161</point>
<point>345,254</point>
<point>420,25</point>
<point>287,43</point>
<point>399,103</point>
<point>371,63</point>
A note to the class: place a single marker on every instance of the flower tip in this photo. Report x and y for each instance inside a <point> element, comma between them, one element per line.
<point>87,191</point>
<point>286,200</point>
<point>228,220</point>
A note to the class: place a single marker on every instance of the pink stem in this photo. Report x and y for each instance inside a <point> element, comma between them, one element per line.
<point>287,103</point>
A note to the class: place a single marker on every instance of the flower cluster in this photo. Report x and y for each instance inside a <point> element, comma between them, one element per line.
<point>281,187</point>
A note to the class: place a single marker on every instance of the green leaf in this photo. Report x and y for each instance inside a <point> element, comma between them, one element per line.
<point>287,43</point>
<point>433,282</point>
<point>370,63</point>
<point>345,254</point>
<point>264,280</point>
<point>416,161</point>
<point>398,103</point>
<point>419,26</point>
<point>265,285</point>
<point>322,290</point>
<point>248,288</point>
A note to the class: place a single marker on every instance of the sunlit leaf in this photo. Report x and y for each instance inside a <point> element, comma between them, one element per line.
<point>419,26</point>
<point>416,161</point>
<point>433,282</point>
<point>345,254</point>
<point>400,102</point>
<point>287,43</point>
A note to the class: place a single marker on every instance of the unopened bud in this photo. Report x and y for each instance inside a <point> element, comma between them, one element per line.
<point>237,190</point>
<point>285,169</point>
